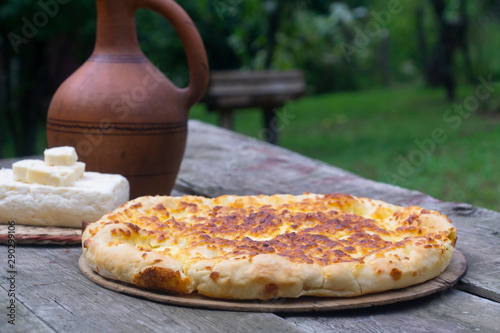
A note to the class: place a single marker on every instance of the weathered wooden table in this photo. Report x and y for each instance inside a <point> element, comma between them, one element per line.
<point>51,294</point>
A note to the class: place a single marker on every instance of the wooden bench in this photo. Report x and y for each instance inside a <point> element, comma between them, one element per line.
<point>269,90</point>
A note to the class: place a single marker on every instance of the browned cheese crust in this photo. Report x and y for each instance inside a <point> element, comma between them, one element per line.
<point>264,247</point>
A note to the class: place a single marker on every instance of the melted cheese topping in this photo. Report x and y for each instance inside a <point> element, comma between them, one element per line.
<point>320,229</point>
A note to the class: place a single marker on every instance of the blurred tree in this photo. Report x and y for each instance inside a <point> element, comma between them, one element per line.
<point>452,35</point>
<point>215,22</point>
<point>42,43</point>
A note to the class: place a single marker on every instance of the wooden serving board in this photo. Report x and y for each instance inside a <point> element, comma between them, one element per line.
<point>26,234</point>
<point>446,280</point>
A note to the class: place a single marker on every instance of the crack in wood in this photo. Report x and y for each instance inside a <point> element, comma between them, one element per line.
<point>478,291</point>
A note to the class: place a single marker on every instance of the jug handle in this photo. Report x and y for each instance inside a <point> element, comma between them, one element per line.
<point>193,45</point>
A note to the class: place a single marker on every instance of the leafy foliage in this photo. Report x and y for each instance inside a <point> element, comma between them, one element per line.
<point>339,46</point>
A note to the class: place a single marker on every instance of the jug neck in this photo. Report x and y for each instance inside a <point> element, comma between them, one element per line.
<point>116,29</point>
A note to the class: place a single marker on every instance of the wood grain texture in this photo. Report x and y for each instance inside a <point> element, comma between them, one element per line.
<point>57,297</point>
<point>25,320</point>
<point>28,234</point>
<point>448,312</point>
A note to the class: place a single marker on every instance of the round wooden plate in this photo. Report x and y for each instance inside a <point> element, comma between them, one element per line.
<point>446,280</point>
<point>26,234</point>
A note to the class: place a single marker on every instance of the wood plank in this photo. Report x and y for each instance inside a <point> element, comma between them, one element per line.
<point>235,164</point>
<point>257,89</point>
<point>451,311</point>
<point>247,101</point>
<point>479,240</point>
<point>269,75</point>
<point>24,320</point>
<point>53,290</point>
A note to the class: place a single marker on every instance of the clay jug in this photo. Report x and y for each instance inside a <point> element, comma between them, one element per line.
<point>119,111</point>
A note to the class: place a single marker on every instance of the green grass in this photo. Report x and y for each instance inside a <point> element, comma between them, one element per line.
<point>373,134</point>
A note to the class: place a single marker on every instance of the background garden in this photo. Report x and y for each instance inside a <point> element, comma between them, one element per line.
<point>399,91</point>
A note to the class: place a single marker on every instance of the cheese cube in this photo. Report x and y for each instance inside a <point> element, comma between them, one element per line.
<point>38,172</point>
<point>21,169</point>
<point>90,197</point>
<point>60,156</point>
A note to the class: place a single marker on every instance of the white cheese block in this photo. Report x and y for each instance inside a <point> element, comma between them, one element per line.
<point>38,172</point>
<point>90,197</point>
<point>60,156</point>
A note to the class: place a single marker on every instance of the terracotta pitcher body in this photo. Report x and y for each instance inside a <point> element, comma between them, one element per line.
<point>119,111</point>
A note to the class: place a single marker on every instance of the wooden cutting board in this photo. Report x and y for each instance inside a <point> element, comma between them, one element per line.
<point>26,234</point>
<point>446,280</point>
